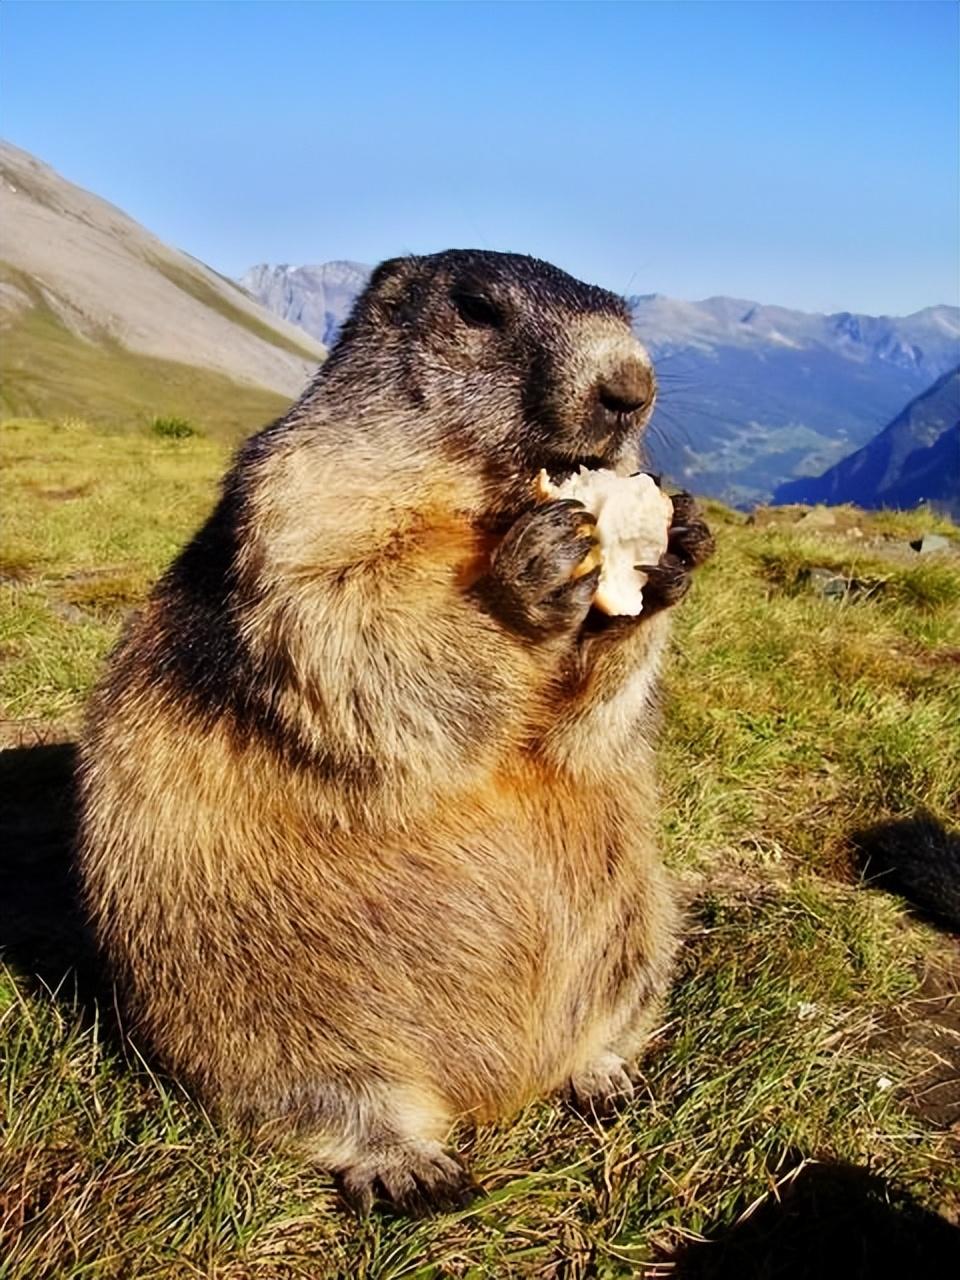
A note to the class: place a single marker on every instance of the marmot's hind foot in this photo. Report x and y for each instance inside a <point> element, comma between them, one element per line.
<point>602,1089</point>
<point>416,1177</point>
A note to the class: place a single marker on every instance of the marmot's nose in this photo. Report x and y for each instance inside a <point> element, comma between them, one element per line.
<point>628,389</point>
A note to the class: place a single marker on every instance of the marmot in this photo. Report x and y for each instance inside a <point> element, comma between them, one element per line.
<point>367,808</point>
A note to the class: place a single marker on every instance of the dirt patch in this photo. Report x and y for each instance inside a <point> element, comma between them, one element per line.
<point>105,595</point>
<point>924,1033</point>
<point>942,658</point>
<point>16,569</point>
<point>93,575</point>
<point>35,733</point>
<point>61,494</point>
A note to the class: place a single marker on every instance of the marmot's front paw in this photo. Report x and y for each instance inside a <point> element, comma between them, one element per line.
<point>689,544</point>
<point>689,538</point>
<point>532,569</point>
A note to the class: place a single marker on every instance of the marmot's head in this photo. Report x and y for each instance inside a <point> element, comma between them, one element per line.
<point>504,355</point>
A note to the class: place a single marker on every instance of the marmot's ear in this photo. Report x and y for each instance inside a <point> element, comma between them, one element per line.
<point>390,279</point>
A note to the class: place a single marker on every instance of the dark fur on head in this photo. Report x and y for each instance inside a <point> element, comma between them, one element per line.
<point>491,346</point>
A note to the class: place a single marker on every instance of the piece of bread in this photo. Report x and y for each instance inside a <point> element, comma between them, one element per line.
<point>633,518</point>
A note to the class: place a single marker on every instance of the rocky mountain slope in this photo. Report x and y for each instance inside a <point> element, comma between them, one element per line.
<point>915,458</point>
<point>317,299</point>
<point>90,301</point>
<point>751,395</point>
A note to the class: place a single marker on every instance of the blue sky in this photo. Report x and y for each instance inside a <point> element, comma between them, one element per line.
<point>800,153</point>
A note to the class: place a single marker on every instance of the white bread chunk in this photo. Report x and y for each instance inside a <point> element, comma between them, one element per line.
<point>633,518</point>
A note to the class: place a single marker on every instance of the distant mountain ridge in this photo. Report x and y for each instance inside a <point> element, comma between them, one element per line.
<point>916,458</point>
<point>918,341</point>
<point>751,394</point>
<point>93,306</point>
<point>317,299</point>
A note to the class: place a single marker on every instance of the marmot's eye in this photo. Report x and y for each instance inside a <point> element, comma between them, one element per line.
<point>477,311</point>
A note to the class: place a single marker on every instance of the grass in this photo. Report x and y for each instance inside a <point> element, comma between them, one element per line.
<point>792,722</point>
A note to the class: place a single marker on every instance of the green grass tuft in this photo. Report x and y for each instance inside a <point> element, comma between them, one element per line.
<point>172,428</point>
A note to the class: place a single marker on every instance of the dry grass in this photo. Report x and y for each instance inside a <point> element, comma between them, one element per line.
<point>792,723</point>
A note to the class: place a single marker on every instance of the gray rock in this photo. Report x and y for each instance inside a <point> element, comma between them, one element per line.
<point>818,518</point>
<point>68,612</point>
<point>832,585</point>
<point>827,583</point>
<point>931,542</point>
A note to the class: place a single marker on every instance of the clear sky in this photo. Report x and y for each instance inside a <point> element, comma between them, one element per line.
<point>799,153</point>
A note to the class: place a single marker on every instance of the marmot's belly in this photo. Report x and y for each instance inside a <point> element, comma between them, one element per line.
<point>486,951</point>
<point>499,946</point>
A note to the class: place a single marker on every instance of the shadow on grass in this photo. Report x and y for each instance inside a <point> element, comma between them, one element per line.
<point>918,858</point>
<point>42,935</point>
<point>828,1222</point>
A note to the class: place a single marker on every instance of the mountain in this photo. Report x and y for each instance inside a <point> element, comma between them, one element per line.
<point>750,395</point>
<point>317,299</point>
<point>915,458</point>
<point>931,475</point>
<point>100,318</point>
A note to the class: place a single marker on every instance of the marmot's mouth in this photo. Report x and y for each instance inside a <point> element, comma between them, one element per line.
<point>560,469</point>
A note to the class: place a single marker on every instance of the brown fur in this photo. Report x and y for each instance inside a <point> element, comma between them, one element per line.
<point>365,857</point>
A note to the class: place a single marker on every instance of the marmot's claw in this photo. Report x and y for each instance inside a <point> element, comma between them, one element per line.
<point>532,569</point>
<point>603,1089</point>
<point>690,540</point>
<point>667,583</point>
<point>555,505</point>
<point>418,1179</point>
<point>689,544</point>
<point>568,605</point>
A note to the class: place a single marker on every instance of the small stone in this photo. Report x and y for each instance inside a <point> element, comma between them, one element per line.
<point>931,542</point>
<point>818,518</point>
<point>827,583</point>
<point>837,586</point>
<point>68,612</point>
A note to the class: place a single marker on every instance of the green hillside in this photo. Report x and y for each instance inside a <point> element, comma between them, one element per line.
<point>797,1102</point>
<point>47,371</point>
